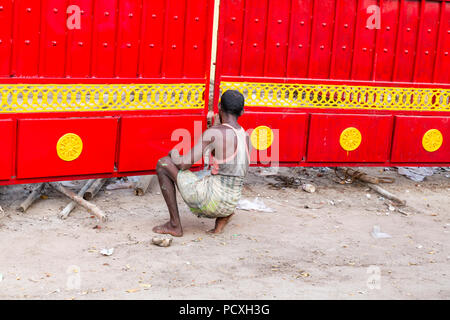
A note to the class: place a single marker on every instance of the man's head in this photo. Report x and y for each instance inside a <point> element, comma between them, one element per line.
<point>232,103</point>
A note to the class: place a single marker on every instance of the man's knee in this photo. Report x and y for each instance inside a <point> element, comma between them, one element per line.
<point>162,164</point>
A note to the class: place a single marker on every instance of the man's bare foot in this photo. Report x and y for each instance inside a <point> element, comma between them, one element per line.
<point>168,228</point>
<point>220,224</point>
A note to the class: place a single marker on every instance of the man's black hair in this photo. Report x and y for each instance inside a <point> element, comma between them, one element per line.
<point>232,102</point>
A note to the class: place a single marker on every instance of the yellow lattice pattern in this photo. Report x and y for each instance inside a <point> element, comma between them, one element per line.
<point>99,97</point>
<point>341,96</point>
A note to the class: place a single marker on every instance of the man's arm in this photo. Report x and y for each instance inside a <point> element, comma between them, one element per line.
<point>195,154</point>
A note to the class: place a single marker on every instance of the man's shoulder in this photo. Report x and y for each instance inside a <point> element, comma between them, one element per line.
<point>218,127</point>
<point>213,131</point>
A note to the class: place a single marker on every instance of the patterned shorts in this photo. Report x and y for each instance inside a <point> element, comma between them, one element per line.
<point>213,196</point>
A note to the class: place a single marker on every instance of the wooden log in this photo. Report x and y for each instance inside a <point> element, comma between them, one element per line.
<point>386,193</point>
<point>94,189</point>
<point>92,208</point>
<point>145,183</point>
<point>354,174</point>
<point>35,194</point>
<point>68,209</point>
<point>372,183</point>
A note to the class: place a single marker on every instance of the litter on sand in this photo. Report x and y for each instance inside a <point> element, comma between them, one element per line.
<point>162,242</point>
<point>377,234</point>
<point>417,174</point>
<point>269,171</point>
<point>107,252</point>
<point>285,182</point>
<point>309,188</point>
<point>133,179</point>
<point>133,290</point>
<point>256,205</point>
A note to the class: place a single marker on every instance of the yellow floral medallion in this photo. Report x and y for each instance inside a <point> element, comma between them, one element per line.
<point>69,147</point>
<point>262,138</point>
<point>432,140</point>
<point>350,139</point>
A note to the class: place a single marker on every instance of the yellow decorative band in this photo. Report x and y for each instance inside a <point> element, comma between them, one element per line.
<point>29,98</point>
<point>69,147</point>
<point>341,96</point>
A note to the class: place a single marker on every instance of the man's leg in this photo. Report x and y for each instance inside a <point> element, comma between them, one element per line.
<point>167,173</point>
<point>220,224</point>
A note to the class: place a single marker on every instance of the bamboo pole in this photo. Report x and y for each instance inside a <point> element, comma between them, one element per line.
<point>372,183</point>
<point>145,184</point>
<point>68,209</point>
<point>94,189</point>
<point>92,208</point>
<point>33,196</point>
<point>386,193</point>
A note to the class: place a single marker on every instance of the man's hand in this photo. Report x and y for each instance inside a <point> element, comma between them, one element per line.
<point>172,151</point>
<point>174,154</point>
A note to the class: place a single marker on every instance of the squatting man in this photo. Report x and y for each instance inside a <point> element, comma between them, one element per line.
<point>216,195</point>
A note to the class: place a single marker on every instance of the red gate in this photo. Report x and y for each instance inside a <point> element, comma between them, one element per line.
<point>100,88</point>
<point>95,88</point>
<point>334,82</point>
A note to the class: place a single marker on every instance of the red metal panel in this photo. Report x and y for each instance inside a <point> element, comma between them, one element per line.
<point>326,129</point>
<point>299,43</point>
<point>232,14</point>
<point>387,35</point>
<point>104,42</point>
<point>6,148</point>
<point>196,31</point>
<point>277,38</point>
<point>343,39</point>
<point>26,38</point>
<point>332,39</point>
<point>128,38</point>
<point>426,51</point>
<point>322,39</point>
<point>53,38</point>
<point>332,42</point>
<point>441,73</point>
<point>407,40</point>
<point>409,132</point>
<point>79,40</point>
<point>6,22</point>
<point>144,140</point>
<point>174,38</point>
<point>153,18</point>
<point>254,38</point>
<point>37,140</point>
<point>364,43</point>
<point>289,131</point>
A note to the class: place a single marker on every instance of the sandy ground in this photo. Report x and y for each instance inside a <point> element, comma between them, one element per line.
<point>314,246</point>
